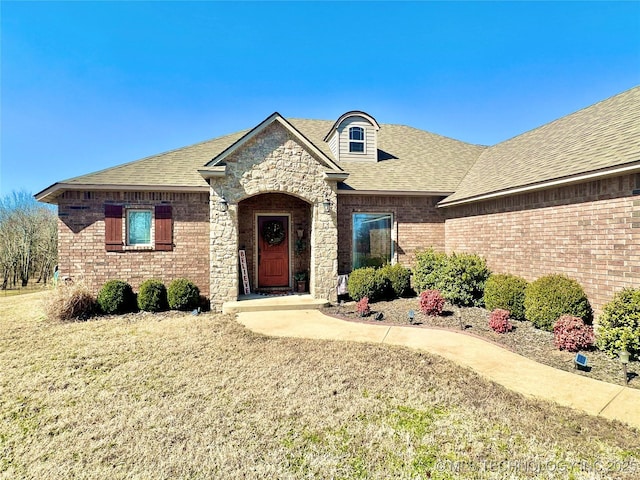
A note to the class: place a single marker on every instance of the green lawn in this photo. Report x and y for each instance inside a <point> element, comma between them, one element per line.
<point>200,397</point>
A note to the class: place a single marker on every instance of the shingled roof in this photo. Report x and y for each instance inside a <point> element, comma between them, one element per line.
<point>411,161</point>
<point>599,140</point>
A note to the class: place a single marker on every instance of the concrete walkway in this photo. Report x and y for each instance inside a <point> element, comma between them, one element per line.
<point>509,369</point>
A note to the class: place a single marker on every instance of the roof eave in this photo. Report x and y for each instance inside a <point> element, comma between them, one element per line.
<point>48,195</point>
<point>558,182</point>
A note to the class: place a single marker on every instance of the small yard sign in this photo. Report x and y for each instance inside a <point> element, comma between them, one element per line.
<point>580,360</point>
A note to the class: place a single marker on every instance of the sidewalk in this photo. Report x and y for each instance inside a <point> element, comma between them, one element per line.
<point>509,369</point>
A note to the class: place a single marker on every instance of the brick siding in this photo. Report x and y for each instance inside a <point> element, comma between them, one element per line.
<point>418,224</point>
<point>81,240</point>
<point>589,231</point>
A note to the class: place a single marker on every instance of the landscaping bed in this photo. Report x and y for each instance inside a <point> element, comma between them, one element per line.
<point>524,339</point>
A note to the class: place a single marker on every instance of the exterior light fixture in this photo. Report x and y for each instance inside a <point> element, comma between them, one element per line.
<point>624,359</point>
<point>327,205</point>
<point>223,206</point>
<point>300,232</point>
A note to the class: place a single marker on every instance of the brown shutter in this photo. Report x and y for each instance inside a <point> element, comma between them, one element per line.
<point>164,240</point>
<point>113,228</point>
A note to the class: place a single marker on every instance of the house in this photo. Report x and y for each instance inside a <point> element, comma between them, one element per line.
<point>326,197</point>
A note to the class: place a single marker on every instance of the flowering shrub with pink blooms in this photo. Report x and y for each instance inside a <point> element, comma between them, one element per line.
<point>499,321</point>
<point>572,334</point>
<point>362,307</point>
<point>431,302</point>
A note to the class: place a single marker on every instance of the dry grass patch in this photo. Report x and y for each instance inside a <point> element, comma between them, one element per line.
<point>179,396</point>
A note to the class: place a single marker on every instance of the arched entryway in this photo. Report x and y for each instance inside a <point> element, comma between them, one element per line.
<point>274,230</point>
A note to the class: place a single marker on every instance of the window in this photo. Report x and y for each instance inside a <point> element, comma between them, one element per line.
<point>150,228</point>
<point>138,227</point>
<point>372,244</point>
<point>356,139</point>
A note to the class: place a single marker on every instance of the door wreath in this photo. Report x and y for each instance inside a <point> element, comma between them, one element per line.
<point>273,232</point>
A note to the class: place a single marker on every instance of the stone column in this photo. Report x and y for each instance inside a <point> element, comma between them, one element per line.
<point>223,254</point>
<point>324,250</point>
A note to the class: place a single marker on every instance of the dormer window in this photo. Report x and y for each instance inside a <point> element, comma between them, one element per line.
<point>356,140</point>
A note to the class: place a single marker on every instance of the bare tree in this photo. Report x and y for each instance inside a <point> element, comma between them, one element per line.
<point>28,239</point>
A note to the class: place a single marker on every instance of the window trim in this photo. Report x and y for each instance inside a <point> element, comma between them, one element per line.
<point>353,141</point>
<point>392,236</point>
<point>139,246</point>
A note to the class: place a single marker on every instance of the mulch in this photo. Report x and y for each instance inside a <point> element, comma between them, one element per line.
<point>524,339</point>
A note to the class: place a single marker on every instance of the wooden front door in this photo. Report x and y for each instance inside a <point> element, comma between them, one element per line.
<point>273,251</point>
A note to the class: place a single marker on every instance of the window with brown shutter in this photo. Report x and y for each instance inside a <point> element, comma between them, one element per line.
<point>164,227</point>
<point>113,228</point>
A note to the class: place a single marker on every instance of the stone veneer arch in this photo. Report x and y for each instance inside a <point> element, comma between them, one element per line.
<point>272,162</point>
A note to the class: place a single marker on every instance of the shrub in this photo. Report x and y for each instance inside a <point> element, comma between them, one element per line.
<point>505,292</point>
<point>398,279</point>
<point>183,295</point>
<point>70,302</point>
<point>362,307</point>
<point>460,277</point>
<point>428,265</point>
<point>619,323</point>
<point>152,296</point>
<point>431,302</point>
<point>570,333</point>
<point>366,282</point>
<point>551,296</point>
<point>116,296</point>
<point>499,321</point>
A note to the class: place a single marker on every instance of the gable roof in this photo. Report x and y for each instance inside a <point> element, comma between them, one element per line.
<point>599,140</point>
<point>273,118</point>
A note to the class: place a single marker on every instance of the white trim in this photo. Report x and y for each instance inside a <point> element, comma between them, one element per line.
<point>44,194</point>
<point>336,176</point>
<point>256,241</point>
<point>213,172</point>
<point>363,141</point>
<point>544,185</point>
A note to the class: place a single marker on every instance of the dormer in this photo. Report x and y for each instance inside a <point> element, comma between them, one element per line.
<point>354,136</point>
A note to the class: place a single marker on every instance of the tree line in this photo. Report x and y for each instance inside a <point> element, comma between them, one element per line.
<point>28,240</point>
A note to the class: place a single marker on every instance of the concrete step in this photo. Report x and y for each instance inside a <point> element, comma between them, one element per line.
<point>261,303</point>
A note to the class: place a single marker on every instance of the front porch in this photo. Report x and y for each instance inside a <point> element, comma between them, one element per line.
<point>255,302</point>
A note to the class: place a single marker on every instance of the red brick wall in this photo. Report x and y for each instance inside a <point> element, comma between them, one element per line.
<point>81,240</point>
<point>590,232</point>
<point>419,224</point>
<point>300,212</point>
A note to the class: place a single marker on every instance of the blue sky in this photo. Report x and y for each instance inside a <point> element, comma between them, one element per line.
<point>89,85</point>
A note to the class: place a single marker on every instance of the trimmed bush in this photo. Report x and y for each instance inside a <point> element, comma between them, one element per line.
<point>398,278</point>
<point>551,296</point>
<point>503,291</point>
<point>619,323</point>
<point>183,295</point>
<point>152,296</point>
<point>431,302</point>
<point>362,307</point>
<point>366,282</point>
<point>499,321</point>
<point>116,296</point>
<point>429,263</point>
<point>570,333</point>
<point>70,302</point>
<point>459,277</point>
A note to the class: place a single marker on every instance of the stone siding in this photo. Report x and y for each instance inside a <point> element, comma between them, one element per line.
<point>418,224</point>
<point>589,231</point>
<point>81,240</point>
<point>272,162</point>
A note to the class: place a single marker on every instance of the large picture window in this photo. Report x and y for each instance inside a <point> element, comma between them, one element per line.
<point>139,227</point>
<point>372,244</point>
